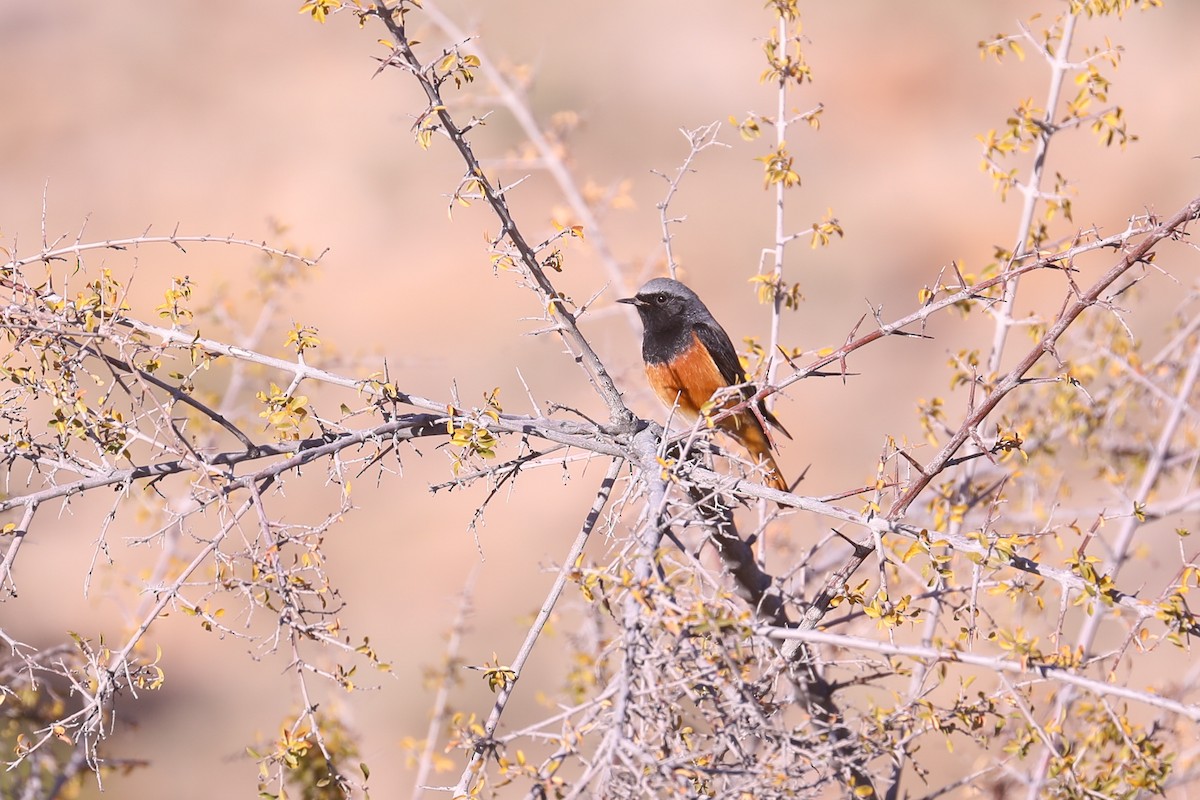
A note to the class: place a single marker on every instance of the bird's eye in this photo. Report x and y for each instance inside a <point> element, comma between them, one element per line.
<point>661,299</point>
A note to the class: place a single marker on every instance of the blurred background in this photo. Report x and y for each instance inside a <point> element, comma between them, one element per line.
<point>235,118</point>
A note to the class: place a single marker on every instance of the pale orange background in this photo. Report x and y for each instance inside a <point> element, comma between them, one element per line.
<point>218,116</point>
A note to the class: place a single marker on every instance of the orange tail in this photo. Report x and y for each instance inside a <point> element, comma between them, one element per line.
<point>746,429</point>
<point>774,477</point>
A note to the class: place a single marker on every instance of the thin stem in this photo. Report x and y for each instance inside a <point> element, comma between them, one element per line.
<point>550,158</point>
<point>19,533</point>
<point>471,772</point>
<point>79,249</point>
<point>1046,671</point>
<point>442,698</point>
<point>781,236</point>
<point>1121,548</point>
<point>1059,67</point>
<point>552,299</point>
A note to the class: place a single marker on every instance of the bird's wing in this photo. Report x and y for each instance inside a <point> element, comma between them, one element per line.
<point>717,342</point>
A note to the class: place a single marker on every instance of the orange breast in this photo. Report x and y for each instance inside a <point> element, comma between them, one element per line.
<point>689,380</point>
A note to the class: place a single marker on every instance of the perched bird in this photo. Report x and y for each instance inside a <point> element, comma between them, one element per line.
<point>689,357</point>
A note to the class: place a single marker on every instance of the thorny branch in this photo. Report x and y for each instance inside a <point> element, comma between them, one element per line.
<point>431,418</point>
<point>553,302</point>
<point>627,701</point>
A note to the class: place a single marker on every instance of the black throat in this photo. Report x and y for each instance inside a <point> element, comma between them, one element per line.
<point>663,340</point>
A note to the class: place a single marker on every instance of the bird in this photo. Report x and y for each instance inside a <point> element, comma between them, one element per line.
<point>689,357</point>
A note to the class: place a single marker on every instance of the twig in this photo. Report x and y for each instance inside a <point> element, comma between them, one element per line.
<point>996,664</point>
<point>442,698</point>
<point>1059,67</point>
<point>77,249</point>
<point>699,139</point>
<point>470,773</point>
<point>403,55</point>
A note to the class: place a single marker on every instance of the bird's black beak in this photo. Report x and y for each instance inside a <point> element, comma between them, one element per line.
<point>633,301</point>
